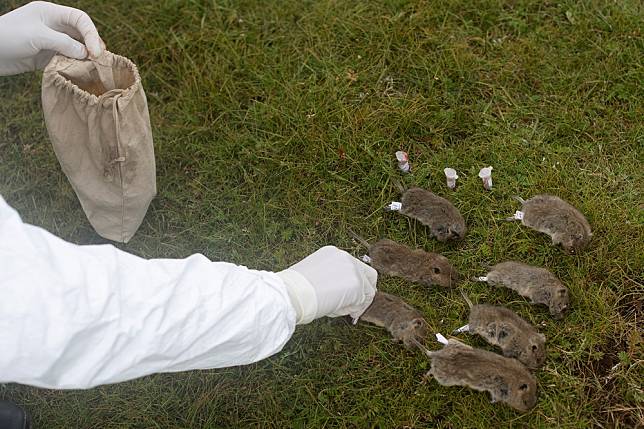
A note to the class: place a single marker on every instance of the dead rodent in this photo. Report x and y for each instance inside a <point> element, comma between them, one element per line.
<point>441,216</point>
<point>506,379</point>
<point>502,327</point>
<point>415,265</point>
<point>557,218</point>
<point>400,319</point>
<point>538,284</point>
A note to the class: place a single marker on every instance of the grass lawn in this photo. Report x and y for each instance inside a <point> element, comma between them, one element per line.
<point>275,125</point>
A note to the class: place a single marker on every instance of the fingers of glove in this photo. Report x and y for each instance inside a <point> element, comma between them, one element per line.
<point>72,31</point>
<point>370,278</point>
<point>52,40</point>
<point>63,17</point>
<point>364,280</point>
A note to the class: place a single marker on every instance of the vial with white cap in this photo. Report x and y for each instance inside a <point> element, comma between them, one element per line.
<point>486,175</point>
<point>403,161</point>
<point>451,176</point>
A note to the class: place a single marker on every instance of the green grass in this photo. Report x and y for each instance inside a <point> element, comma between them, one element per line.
<point>275,124</point>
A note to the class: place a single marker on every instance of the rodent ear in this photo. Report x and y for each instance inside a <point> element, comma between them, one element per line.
<point>562,292</point>
<point>523,387</point>
<point>437,270</point>
<point>417,322</point>
<point>542,337</point>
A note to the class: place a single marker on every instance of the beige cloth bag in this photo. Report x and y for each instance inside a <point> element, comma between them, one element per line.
<point>98,122</point>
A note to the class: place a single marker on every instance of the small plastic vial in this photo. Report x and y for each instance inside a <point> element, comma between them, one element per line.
<point>403,161</point>
<point>486,175</point>
<point>451,176</point>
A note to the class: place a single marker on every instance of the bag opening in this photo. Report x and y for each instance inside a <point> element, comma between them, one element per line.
<point>96,77</point>
<point>90,81</point>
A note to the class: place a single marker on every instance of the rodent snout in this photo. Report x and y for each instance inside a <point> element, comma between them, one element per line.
<point>454,278</point>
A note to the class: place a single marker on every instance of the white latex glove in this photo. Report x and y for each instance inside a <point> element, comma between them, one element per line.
<point>32,34</point>
<point>329,282</point>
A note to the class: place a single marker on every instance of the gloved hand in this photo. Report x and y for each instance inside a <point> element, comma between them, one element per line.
<point>329,282</point>
<point>32,34</point>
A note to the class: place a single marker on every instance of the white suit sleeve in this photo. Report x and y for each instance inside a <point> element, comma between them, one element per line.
<point>80,316</point>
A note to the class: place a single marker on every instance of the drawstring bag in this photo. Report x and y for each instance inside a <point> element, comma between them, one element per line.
<point>97,118</point>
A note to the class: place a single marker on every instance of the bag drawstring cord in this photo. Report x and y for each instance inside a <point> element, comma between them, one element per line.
<point>117,123</point>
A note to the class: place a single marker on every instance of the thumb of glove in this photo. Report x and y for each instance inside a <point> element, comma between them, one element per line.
<point>52,40</point>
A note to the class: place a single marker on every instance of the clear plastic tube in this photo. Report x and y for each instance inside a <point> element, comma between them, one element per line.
<point>451,176</point>
<point>486,175</point>
<point>403,161</point>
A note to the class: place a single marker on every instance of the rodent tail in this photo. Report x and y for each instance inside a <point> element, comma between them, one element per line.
<point>358,238</point>
<point>519,199</point>
<point>469,303</point>
<point>422,348</point>
<point>399,186</point>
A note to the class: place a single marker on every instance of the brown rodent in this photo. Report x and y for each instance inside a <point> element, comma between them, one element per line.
<point>538,284</point>
<point>442,217</point>
<point>415,265</point>
<point>400,319</point>
<point>506,379</point>
<point>502,327</point>
<point>557,218</point>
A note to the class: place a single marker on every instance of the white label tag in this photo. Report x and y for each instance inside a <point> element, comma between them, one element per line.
<point>481,279</point>
<point>464,328</point>
<point>441,339</point>
<point>366,259</point>
<point>518,215</point>
<point>395,206</point>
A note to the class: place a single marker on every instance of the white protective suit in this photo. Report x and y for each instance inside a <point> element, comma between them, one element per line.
<point>80,316</point>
